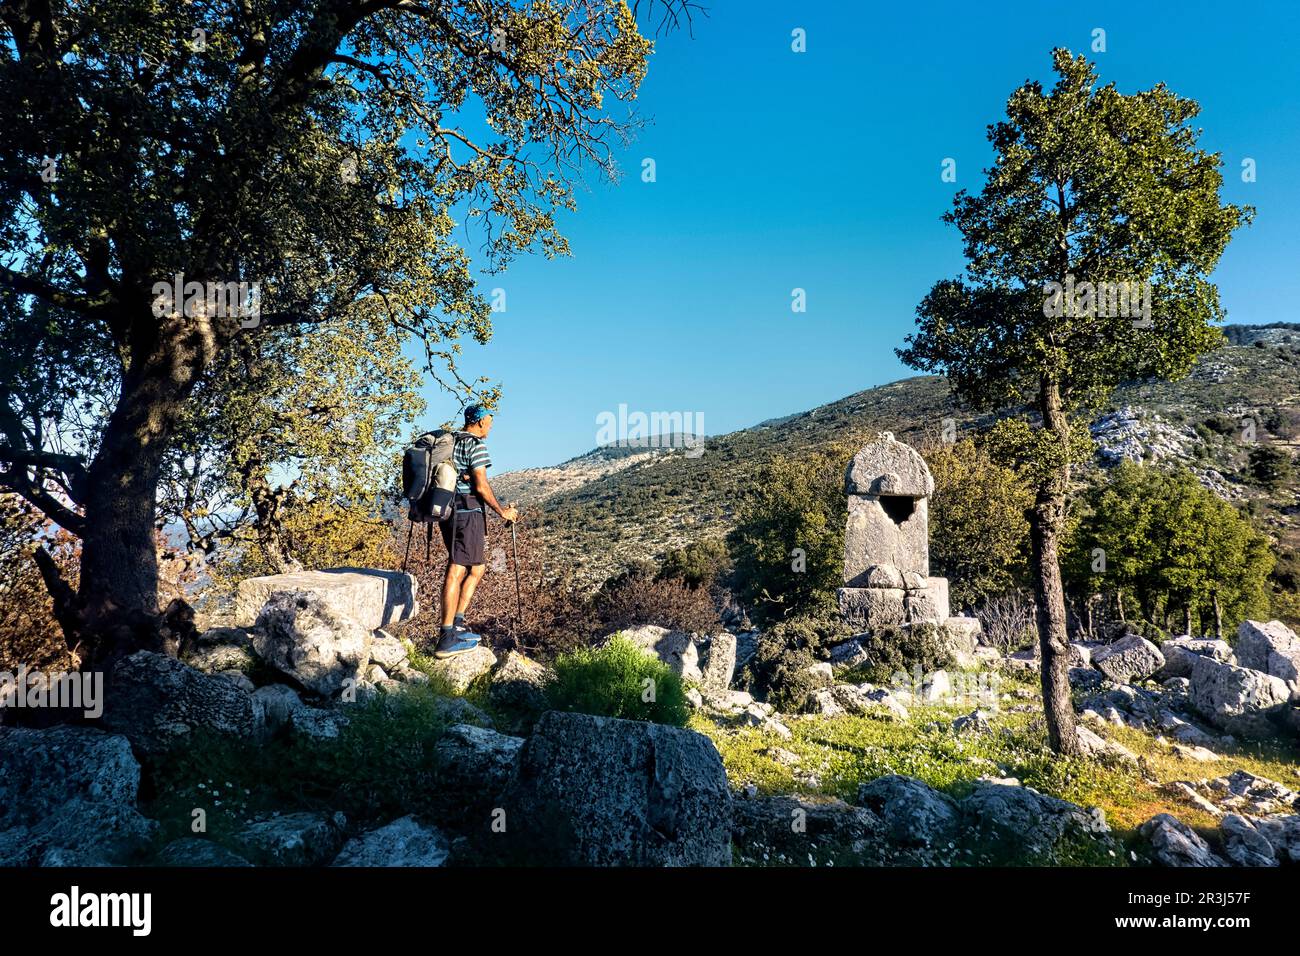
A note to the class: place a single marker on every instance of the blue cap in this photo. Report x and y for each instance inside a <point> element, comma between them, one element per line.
<point>475,412</point>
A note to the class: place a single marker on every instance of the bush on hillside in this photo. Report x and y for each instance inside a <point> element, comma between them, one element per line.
<point>641,596</point>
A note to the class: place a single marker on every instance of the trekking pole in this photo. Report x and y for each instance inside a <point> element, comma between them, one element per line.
<point>409,531</point>
<point>519,601</point>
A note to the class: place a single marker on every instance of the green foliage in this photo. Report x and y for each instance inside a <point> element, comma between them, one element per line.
<point>1271,467</point>
<point>778,672</point>
<point>979,533</point>
<point>699,564</point>
<point>894,649</point>
<point>382,765</point>
<point>1169,544</point>
<point>618,680</point>
<point>788,542</point>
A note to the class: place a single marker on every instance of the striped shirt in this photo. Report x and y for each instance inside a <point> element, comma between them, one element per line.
<point>470,453</point>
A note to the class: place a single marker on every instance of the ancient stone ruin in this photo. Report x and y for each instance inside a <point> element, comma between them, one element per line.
<point>887,578</point>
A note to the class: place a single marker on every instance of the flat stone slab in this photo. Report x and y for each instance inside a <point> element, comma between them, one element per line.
<point>373,598</point>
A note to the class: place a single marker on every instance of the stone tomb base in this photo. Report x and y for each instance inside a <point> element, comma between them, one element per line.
<point>868,608</point>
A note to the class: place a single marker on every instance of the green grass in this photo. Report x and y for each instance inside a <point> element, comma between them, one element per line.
<point>839,753</point>
<point>382,765</point>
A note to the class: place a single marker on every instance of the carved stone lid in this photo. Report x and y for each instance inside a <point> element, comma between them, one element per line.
<point>888,466</point>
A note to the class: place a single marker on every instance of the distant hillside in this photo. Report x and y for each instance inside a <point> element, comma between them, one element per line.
<point>611,506</point>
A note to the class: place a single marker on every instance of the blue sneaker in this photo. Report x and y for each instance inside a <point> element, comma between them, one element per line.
<point>457,642</point>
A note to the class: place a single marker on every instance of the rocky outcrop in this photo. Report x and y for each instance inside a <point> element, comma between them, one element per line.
<point>1243,844</point>
<point>293,839</point>
<point>404,842</point>
<point>1243,702</point>
<point>156,702</point>
<point>913,813</point>
<point>196,851</point>
<point>372,598</point>
<point>719,663</point>
<point>1174,843</point>
<point>518,691</point>
<point>784,831</point>
<point>67,797</point>
<point>475,765</point>
<point>308,639</point>
<point>675,648</point>
<point>1272,648</point>
<point>221,649</point>
<point>461,671</point>
<point>1002,818</point>
<point>1129,659</point>
<point>1180,654</point>
<point>651,795</point>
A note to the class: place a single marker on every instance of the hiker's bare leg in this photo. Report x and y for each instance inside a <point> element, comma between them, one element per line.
<point>467,588</point>
<point>452,584</point>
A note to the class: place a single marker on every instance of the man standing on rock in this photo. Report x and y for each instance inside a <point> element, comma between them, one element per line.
<point>466,534</point>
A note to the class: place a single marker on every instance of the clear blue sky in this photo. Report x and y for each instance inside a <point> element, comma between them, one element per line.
<point>821,170</point>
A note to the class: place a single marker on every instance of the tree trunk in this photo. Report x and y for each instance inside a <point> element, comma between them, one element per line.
<point>1218,616</point>
<point>1187,619</point>
<point>1119,604</point>
<point>1046,521</point>
<point>118,591</point>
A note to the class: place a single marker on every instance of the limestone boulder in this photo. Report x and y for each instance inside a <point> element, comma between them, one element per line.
<point>518,691</point>
<point>913,813</point>
<point>157,702</point>
<point>221,649</point>
<point>1243,844</point>
<point>677,649</point>
<point>1181,652</point>
<point>68,797</point>
<point>373,598</point>
<point>475,763</point>
<point>1240,701</point>
<point>278,702</point>
<point>1131,658</point>
<point>461,671</point>
<point>293,839</point>
<point>1272,648</point>
<point>788,830</point>
<point>719,663</point>
<point>404,842</point>
<point>303,636</point>
<point>1005,819</point>
<point>1174,843</point>
<point>388,652</point>
<point>650,795</point>
<point>198,852</point>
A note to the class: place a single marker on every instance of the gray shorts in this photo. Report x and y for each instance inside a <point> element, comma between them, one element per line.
<point>471,532</point>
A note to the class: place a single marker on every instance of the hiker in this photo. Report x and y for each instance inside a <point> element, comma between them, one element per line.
<point>467,539</point>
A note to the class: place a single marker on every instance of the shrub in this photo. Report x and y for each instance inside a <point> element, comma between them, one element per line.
<point>611,681</point>
<point>639,597</point>
<point>979,533</point>
<point>778,672</point>
<point>893,649</point>
<point>788,543</point>
<point>699,565</point>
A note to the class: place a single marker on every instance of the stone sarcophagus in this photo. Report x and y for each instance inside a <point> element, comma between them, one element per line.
<point>887,542</point>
